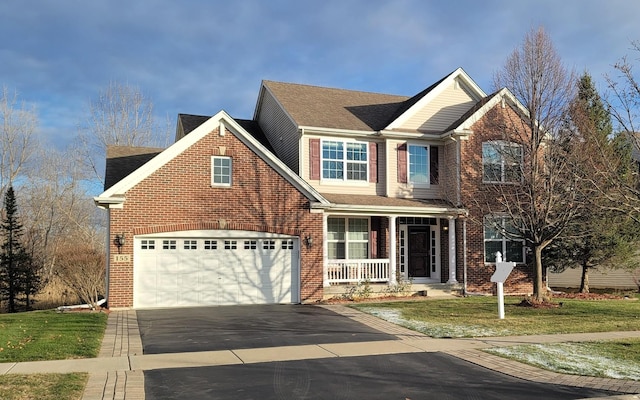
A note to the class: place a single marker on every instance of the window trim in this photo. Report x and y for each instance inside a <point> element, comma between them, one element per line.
<point>427,147</point>
<point>345,162</point>
<point>504,240</point>
<point>346,239</point>
<point>213,175</point>
<point>501,144</point>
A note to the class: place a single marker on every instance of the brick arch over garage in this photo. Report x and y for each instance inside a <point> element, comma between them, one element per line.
<point>215,225</point>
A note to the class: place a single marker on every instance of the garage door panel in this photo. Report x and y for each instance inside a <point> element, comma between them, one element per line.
<point>202,271</point>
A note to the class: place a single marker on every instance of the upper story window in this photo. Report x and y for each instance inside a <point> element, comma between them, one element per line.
<point>342,160</point>
<point>419,164</point>
<point>499,235</point>
<point>220,171</point>
<point>501,162</point>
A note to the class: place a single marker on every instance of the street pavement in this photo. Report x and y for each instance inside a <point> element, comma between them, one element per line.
<point>375,360</point>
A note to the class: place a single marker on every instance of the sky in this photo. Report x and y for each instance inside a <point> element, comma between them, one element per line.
<point>200,57</point>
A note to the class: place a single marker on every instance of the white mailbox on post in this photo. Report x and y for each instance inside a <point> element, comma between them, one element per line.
<point>503,269</point>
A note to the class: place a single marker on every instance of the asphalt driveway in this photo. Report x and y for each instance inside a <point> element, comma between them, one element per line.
<point>414,376</point>
<point>244,327</point>
<point>394,376</point>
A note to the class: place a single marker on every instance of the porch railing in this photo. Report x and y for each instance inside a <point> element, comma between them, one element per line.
<point>353,271</point>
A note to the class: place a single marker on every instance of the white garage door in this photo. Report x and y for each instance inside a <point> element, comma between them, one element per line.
<point>179,270</point>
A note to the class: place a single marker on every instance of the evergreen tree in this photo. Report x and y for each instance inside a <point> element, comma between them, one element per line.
<point>19,278</point>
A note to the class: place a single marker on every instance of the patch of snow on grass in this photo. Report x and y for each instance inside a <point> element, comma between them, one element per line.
<point>571,358</point>
<point>436,330</point>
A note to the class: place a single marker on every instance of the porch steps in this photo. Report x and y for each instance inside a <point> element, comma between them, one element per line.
<point>374,290</point>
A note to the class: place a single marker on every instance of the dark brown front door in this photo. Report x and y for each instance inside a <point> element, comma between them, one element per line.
<point>419,252</point>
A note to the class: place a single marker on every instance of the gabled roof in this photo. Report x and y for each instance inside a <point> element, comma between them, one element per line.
<point>314,106</point>
<point>465,122</point>
<point>188,122</point>
<point>114,196</point>
<point>419,101</point>
<point>123,160</point>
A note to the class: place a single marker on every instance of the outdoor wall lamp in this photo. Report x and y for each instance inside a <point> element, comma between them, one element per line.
<point>119,241</point>
<point>308,240</point>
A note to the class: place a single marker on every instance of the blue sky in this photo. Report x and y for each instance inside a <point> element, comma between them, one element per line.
<point>200,57</point>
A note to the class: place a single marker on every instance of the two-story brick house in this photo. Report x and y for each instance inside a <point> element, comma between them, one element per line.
<point>323,187</point>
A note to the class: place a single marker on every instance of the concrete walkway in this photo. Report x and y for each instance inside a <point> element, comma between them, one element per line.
<point>117,373</point>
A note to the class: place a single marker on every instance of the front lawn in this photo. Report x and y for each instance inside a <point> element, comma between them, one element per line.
<point>42,387</point>
<point>48,335</point>
<point>478,316</point>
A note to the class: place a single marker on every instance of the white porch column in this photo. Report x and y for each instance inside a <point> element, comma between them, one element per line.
<point>452,251</point>
<point>392,250</point>
<point>325,252</point>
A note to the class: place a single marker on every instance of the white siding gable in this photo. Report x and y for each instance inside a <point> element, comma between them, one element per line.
<point>437,115</point>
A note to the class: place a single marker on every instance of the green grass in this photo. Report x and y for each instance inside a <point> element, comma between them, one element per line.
<point>478,316</point>
<point>48,335</point>
<point>616,359</point>
<point>42,386</point>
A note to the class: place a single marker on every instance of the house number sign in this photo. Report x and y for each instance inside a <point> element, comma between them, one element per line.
<point>122,257</point>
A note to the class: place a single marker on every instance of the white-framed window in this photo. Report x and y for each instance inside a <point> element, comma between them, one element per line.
<point>210,244</point>
<point>230,244</point>
<point>347,238</point>
<point>268,244</point>
<point>250,244</point>
<point>221,171</point>
<point>418,164</point>
<point>287,244</point>
<point>499,235</point>
<point>501,162</point>
<point>346,161</point>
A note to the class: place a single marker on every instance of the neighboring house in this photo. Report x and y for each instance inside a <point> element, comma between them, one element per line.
<point>322,188</point>
<point>599,278</point>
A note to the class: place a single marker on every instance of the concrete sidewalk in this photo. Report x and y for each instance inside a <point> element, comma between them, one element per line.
<point>118,371</point>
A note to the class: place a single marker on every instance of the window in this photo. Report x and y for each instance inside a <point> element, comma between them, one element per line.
<point>190,245</point>
<point>501,162</point>
<point>230,244</point>
<point>147,244</point>
<point>268,245</point>
<point>168,244</point>
<point>250,244</point>
<point>211,245</point>
<point>344,161</point>
<point>220,171</point>
<point>287,245</point>
<point>419,164</point>
<point>348,238</point>
<point>498,236</point>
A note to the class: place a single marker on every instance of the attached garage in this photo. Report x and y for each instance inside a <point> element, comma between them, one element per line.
<point>204,268</point>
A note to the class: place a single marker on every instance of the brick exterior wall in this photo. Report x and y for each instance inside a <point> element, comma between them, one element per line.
<point>179,196</point>
<point>475,195</point>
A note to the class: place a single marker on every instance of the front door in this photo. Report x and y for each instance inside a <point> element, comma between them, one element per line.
<point>419,252</point>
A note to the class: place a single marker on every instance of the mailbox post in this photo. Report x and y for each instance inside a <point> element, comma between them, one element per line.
<point>503,269</point>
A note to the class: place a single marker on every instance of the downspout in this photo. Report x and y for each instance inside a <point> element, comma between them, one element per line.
<point>108,255</point>
<point>464,257</point>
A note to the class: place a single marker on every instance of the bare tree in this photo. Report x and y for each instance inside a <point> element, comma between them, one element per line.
<point>545,199</point>
<point>623,102</point>
<point>121,115</point>
<point>83,269</point>
<point>16,138</point>
<point>57,208</point>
